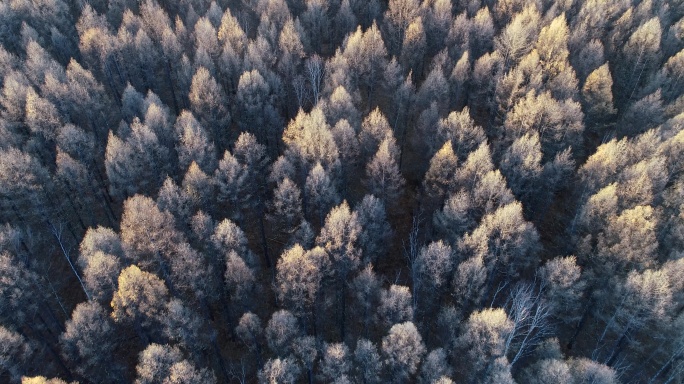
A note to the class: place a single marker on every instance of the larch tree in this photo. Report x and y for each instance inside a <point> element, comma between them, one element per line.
<point>435,262</point>
<point>402,350</point>
<point>375,229</point>
<point>597,96</point>
<point>285,213</point>
<point>193,144</point>
<point>136,164</point>
<point>464,134</point>
<point>482,342</point>
<point>340,238</point>
<point>383,177</point>
<point>281,331</point>
<point>336,361</point>
<point>15,353</point>
<point>140,300</point>
<point>366,292</point>
<point>254,110</point>
<point>413,47</point>
<point>368,363</point>
<point>563,287</point>
<point>298,280</point>
<point>285,370</point>
<point>89,341</point>
<point>435,366</point>
<point>150,233</point>
<point>399,15</point>
<point>319,193</point>
<point>209,102</point>
<point>440,179</point>
<point>506,242</point>
<point>396,305</point>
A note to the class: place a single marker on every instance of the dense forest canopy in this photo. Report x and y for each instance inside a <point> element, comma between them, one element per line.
<point>342,191</point>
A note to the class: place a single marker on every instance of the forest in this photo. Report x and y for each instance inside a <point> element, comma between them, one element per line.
<point>342,191</point>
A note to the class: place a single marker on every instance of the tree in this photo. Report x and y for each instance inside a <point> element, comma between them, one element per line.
<point>239,277</point>
<point>309,141</point>
<point>548,371</point>
<point>588,371</point>
<point>149,232</point>
<point>375,230</point>
<point>366,289</point>
<point>483,341</point>
<point>198,187</point>
<point>597,98</point>
<point>278,370</point>
<point>396,305</point>
<point>137,163</point>
<point>383,178</point>
<point>563,288</point>
<point>529,315</point>
<point>367,57</point>
<point>455,218</point>
<point>183,326</point>
<point>193,144</point>
<point>88,342</point>
<point>340,239</point>
<point>374,129</point>
<point>644,298</point>
<point>402,350</point>
<point>306,350</point>
<point>165,364</point>
<point>209,102</point>
<point>14,353</point>
<point>335,362</point>
<point>17,285</point>
<point>315,21</point>
<point>440,178</point>
<point>254,108</point>
<point>140,299</point>
<point>232,185</point>
<point>642,115</point>
<point>286,209</point>
<point>398,17</point>
<point>41,380</point>
<point>298,279</point>
<point>250,331</point>
<point>434,265</point>
<point>281,331</point>
<point>639,56</point>
<point>434,367</point>
<point>367,362</point>
<point>552,47</point>
<point>101,256</point>
<point>555,121</point>
<point>320,192</point>
<point>628,242</point>
<point>515,40</point>
<point>506,242</point>
<point>340,106</point>
<point>414,46</point>
<point>521,165</point>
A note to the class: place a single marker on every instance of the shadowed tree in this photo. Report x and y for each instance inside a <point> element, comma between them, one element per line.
<point>402,350</point>
<point>89,341</point>
<point>340,239</point>
<point>375,229</point>
<point>209,102</point>
<point>383,178</point>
